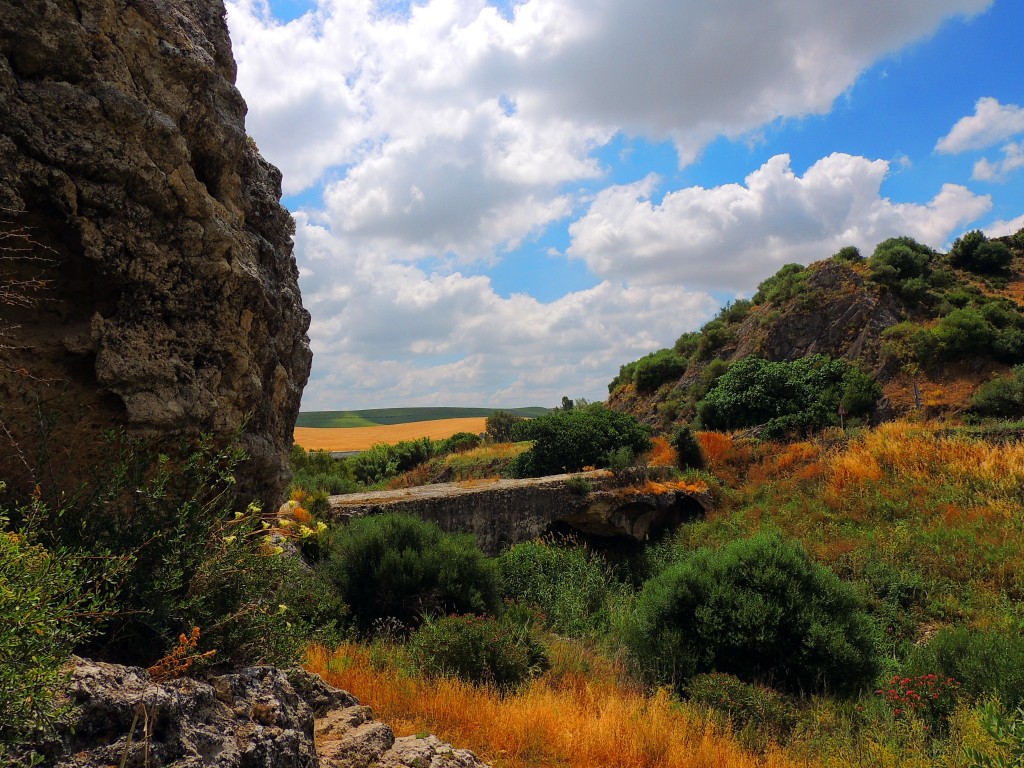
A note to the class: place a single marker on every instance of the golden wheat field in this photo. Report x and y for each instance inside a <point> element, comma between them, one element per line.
<point>361,438</point>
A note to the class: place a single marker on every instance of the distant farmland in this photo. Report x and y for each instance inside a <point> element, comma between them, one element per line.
<point>391,416</point>
<point>361,438</point>
<point>358,430</point>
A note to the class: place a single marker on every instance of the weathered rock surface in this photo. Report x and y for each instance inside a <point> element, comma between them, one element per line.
<point>259,717</point>
<point>171,305</point>
<point>501,513</point>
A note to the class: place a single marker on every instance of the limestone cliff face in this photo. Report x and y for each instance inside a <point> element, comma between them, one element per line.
<point>171,304</point>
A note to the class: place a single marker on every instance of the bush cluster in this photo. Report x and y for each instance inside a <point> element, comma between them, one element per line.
<point>383,461</point>
<point>904,265</point>
<point>985,663</point>
<point>787,397</point>
<point>477,649</point>
<point>398,566</point>
<point>1002,397</point>
<point>976,253</point>
<point>758,609</point>
<point>567,585</point>
<point>568,441</point>
<point>744,704</point>
<point>784,285</point>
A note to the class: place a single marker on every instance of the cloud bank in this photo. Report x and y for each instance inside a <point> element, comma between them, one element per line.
<point>448,135</point>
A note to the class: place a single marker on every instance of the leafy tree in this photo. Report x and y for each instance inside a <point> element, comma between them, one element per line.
<point>975,252</point>
<point>758,609</point>
<point>399,566</point>
<point>786,396</point>
<point>903,264</point>
<point>500,426</point>
<point>657,368</point>
<point>567,441</point>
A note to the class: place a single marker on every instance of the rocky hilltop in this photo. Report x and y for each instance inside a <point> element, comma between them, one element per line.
<point>907,315</point>
<point>147,273</point>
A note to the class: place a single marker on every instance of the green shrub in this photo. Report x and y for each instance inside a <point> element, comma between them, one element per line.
<point>46,600</point>
<point>1018,238</point>
<point>849,254</point>
<point>579,486</point>
<point>977,253</point>
<point>460,442</point>
<point>568,441</point>
<point>318,472</point>
<point>399,566</point>
<point>687,449</point>
<point>758,609</point>
<point>794,396</point>
<point>715,335</point>
<point>744,704</point>
<point>735,311</point>
<point>476,649</point>
<point>500,426</point>
<point>985,663</point>
<point>687,344</point>
<point>783,285</point>
<point>568,584</point>
<point>187,555</point>
<point>903,264</point>
<point>657,368</point>
<point>1001,398</point>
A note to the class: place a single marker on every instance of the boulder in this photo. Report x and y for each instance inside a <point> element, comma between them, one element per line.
<point>147,281</point>
<point>258,717</point>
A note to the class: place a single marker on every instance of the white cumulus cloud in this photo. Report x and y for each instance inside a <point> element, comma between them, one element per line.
<point>990,124</point>
<point>731,236</point>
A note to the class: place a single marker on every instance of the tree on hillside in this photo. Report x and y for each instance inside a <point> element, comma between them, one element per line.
<point>975,252</point>
<point>793,396</point>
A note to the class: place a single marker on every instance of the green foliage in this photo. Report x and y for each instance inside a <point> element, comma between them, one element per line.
<point>903,264</point>
<point>687,449</point>
<point>744,704</point>
<point>849,254</point>
<point>567,441</point>
<point>984,662</point>
<point>758,609</point>
<point>794,396</point>
<point>399,566</point>
<point>50,601</point>
<point>500,426</point>
<point>1001,398</point>
<point>783,285</point>
<point>460,442</point>
<point>568,585</point>
<point>187,556</point>
<point>382,461</point>
<point>1007,731</point>
<point>993,327</point>
<point>1018,238</point>
<point>477,649</point>
<point>714,335</point>
<point>657,368</point>
<point>975,252</point>
<point>319,472</point>
<point>687,344</point>
<point>372,416</point>
<point>579,485</point>
<point>735,311</point>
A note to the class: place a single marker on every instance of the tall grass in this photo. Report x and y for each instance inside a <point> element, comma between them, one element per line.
<point>580,713</point>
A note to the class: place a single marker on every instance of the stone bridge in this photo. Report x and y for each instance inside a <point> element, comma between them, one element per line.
<point>500,513</point>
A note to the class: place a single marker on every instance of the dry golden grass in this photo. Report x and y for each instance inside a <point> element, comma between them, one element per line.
<point>361,438</point>
<point>564,719</point>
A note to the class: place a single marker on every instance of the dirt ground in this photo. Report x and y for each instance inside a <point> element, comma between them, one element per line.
<point>361,438</point>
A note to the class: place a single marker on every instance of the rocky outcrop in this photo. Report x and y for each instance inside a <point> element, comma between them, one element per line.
<point>259,717</point>
<point>170,303</point>
<point>501,513</point>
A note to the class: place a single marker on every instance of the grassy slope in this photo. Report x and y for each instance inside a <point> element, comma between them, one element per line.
<point>376,416</point>
<point>926,506</point>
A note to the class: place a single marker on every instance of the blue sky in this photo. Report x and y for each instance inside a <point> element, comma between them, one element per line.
<point>501,204</point>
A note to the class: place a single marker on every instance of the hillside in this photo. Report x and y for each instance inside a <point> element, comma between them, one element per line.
<point>386,416</point>
<point>906,315</point>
